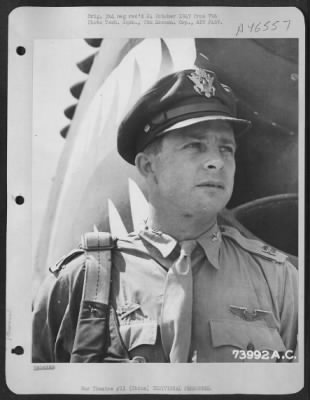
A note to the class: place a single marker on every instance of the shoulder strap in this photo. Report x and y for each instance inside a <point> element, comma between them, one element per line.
<point>93,315</point>
<point>60,264</point>
<point>98,246</point>
<point>254,246</point>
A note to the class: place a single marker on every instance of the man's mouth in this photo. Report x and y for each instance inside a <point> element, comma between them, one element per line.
<point>212,184</point>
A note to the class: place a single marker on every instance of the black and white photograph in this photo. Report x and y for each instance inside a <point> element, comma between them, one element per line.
<point>159,190</point>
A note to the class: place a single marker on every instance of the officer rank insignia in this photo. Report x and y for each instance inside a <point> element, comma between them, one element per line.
<point>203,82</point>
<point>269,250</point>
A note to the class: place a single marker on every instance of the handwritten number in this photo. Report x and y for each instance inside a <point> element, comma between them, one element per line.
<point>251,27</point>
<point>288,24</point>
<point>266,25</point>
<point>257,27</point>
<point>274,24</point>
<point>240,29</point>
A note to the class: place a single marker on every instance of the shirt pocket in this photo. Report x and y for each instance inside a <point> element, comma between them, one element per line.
<point>247,337</point>
<point>139,333</point>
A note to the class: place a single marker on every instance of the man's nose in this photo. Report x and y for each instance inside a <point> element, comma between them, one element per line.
<point>215,163</point>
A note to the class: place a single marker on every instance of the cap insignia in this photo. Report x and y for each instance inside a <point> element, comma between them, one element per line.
<point>147,128</point>
<point>203,82</point>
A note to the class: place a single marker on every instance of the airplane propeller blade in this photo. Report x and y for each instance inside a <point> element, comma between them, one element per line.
<point>138,204</point>
<point>117,226</point>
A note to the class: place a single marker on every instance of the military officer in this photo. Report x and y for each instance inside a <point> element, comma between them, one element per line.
<point>184,288</point>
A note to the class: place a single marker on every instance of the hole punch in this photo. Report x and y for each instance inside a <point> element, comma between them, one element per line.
<point>18,350</point>
<point>20,50</point>
<point>294,77</point>
<point>19,200</point>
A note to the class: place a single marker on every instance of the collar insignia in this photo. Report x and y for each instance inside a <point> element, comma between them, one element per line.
<point>269,250</point>
<point>203,82</point>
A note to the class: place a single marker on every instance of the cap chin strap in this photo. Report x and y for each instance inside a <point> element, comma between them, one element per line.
<point>192,121</point>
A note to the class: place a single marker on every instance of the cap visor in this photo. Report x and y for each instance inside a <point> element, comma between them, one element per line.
<point>240,125</point>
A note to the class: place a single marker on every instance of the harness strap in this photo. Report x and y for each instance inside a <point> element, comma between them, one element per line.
<point>93,316</point>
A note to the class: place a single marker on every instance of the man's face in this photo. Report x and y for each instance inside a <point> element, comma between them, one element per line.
<point>194,171</point>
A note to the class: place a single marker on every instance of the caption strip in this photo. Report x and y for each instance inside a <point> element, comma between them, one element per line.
<point>187,19</point>
<point>156,19</point>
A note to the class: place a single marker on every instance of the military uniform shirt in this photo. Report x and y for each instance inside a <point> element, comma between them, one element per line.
<point>244,298</point>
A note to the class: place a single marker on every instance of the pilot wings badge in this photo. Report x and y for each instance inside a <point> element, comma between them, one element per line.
<point>203,82</point>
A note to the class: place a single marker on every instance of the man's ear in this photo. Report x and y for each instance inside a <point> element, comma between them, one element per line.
<point>144,164</point>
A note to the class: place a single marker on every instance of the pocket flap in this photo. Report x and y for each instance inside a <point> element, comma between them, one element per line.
<point>139,333</point>
<point>241,334</point>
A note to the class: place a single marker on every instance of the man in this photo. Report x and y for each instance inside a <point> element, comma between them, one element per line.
<point>183,288</point>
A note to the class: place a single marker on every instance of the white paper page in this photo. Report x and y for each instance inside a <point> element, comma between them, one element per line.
<point>48,176</point>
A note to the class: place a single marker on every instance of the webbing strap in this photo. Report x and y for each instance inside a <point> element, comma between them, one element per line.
<point>92,324</point>
<point>95,241</point>
<point>98,247</point>
<point>97,277</point>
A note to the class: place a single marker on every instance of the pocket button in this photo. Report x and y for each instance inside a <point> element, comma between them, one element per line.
<point>250,346</point>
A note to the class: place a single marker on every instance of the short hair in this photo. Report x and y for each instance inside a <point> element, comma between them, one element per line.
<point>154,147</point>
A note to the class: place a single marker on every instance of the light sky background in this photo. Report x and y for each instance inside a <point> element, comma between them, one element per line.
<point>54,72</point>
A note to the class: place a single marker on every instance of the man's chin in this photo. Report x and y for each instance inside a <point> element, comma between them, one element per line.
<point>205,212</point>
<point>211,208</point>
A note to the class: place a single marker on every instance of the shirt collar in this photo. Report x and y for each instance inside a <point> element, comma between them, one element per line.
<point>210,241</point>
<point>164,243</point>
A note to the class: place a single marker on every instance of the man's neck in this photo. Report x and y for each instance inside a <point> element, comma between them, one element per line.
<point>179,226</point>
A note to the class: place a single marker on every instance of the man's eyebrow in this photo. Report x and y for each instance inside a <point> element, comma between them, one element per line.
<point>191,135</point>
<point>228,141</point>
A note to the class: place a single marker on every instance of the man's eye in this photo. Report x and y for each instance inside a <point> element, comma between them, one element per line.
<point>227,149</point>
<point>193,145</point>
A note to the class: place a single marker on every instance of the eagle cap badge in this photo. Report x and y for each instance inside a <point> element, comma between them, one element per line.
<point>203,82</point>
